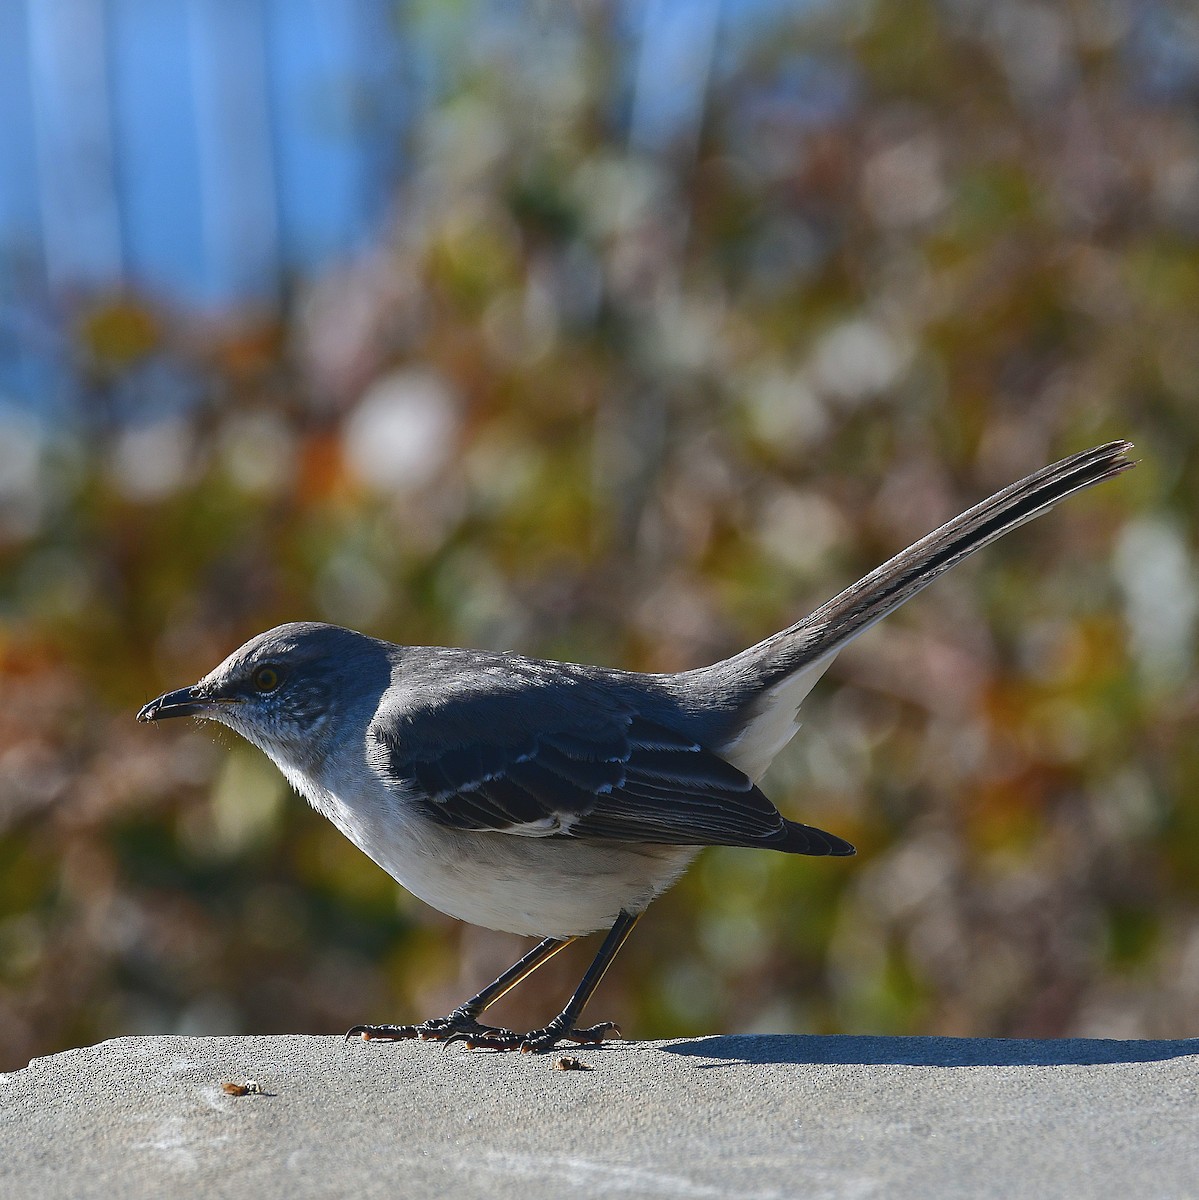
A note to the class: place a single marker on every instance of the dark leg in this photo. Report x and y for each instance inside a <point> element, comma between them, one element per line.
<point>463,1021</point>
<point>563,1027</point>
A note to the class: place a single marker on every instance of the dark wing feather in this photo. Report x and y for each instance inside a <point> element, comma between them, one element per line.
<point>598,772</point>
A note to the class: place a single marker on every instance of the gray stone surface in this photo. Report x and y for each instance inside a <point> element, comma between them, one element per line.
<point>747,1117</point>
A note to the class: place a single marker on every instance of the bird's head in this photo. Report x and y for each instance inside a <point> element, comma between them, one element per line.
<point>289,691</point>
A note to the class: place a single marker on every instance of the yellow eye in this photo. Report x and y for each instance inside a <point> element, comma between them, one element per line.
<point>266,679</point>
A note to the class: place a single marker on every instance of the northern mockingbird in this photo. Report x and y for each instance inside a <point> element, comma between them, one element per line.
<point>553,799</point>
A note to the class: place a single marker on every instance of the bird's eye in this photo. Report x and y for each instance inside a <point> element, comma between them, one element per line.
<point>266,679</point>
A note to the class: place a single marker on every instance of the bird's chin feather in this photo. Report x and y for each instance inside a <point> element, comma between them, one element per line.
<point>220,733</point>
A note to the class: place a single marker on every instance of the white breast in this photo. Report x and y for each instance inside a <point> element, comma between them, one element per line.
<point>527,885</point>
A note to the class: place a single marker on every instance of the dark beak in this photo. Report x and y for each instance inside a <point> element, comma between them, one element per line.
<point>183,703</point>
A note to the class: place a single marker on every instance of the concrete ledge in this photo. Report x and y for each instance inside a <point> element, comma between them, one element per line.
<point>746,1117</point>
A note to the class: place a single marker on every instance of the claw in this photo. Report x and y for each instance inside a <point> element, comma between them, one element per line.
<point>458,1027</point>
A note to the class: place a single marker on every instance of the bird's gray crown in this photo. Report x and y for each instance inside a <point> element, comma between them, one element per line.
<point>287,690</point>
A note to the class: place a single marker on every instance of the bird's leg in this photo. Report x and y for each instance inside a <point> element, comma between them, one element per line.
<point>463,1022</point>
<point>563,1027</point>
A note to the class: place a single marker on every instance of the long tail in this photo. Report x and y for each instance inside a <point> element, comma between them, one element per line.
<point>887,587</point>
<point>777,673</point>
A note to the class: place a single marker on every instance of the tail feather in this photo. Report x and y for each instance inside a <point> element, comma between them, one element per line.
<point>860,605</point>
<point>765,685</point>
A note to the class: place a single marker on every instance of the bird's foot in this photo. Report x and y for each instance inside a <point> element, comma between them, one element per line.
<point>538,1041</point>
<point>461,1027</point>
<point>458,1026</point>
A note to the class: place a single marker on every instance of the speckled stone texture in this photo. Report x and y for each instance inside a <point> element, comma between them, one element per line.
<point>745,1117</point>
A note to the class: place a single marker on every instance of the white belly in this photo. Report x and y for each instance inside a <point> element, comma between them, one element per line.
<point>534,886</point>
<point>541,887</point>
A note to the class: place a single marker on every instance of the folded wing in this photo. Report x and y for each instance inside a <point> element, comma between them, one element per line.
<point>593,773</point>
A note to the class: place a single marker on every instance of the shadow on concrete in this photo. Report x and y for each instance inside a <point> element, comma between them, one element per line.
<point>929,1051</point>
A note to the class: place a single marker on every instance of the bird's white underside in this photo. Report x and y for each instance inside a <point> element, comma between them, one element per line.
<point>519,884</point>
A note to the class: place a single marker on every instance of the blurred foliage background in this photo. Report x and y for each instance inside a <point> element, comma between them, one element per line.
<point>674,320</point>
